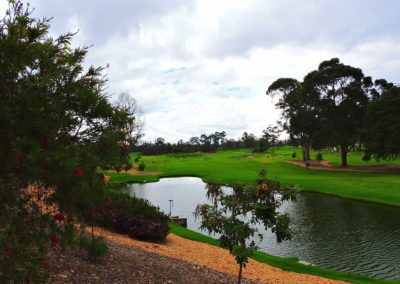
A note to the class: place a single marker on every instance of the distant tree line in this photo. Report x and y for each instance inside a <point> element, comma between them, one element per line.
<point>338,106</point>
<point>213,142</point>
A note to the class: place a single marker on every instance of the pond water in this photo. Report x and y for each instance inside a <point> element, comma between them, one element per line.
<point>333,233</point>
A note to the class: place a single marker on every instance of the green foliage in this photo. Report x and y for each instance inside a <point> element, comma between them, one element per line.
<point>141,166</point>
<point>56,127</point>
<point>133,216</point>
<point>233,215</point>
<point>383,125</point>
<point>319,157</point>
<point>95,247</point>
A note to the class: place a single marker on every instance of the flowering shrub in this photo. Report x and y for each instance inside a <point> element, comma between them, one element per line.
<point>132,216</point>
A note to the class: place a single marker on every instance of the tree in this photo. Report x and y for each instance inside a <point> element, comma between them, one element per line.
<point>249,140</point>
<point>383,124</point>
<point>233,215</point>
<point>134,129</point>
<point>299,111</point>
<point>268,138</point>
<point>343,98</point>
<point>56,127</point>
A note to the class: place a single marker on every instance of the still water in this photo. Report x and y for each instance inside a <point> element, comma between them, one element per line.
<point>334,233</point>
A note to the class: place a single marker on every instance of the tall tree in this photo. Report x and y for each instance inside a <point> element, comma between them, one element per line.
<point>298,103</point>
<point>56,128</point>
<point>342,102</point>
<point>129,105</point>
<point>383,122</point>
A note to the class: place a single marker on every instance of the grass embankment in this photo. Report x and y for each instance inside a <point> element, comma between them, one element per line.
<point>288,264</point>
<point>229,167</point>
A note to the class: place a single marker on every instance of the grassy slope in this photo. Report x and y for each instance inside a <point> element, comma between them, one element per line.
<point>289,264</point>
<point>229,167</point>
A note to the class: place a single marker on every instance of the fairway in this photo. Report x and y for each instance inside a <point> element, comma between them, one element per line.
<point>242,166</point>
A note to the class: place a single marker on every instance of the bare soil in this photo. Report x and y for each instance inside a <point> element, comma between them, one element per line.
<point>136,172</point>
<point>326,166</point>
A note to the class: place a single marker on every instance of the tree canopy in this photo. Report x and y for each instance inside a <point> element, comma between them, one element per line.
<point>57,126</point>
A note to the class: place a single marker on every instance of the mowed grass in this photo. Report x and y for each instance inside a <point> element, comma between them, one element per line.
<point>242,166</point>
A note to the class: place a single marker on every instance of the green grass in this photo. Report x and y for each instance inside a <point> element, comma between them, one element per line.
<point>289,264</point>
<point>229,167</point>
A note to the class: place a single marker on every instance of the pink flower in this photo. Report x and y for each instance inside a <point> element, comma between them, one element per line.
<point>88,78</point>
<point>78,172</point>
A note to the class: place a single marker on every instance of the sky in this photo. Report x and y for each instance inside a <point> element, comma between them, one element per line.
<point>202,66</point>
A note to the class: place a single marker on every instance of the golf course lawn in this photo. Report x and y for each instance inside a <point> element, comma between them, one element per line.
<point>233,166</point>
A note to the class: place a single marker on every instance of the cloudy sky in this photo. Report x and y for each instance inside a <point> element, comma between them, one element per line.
<point>203,66</point>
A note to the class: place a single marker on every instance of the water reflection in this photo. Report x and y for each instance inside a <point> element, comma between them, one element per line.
<point>331,232</point>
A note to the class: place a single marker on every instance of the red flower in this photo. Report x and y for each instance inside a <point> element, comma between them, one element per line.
<point>45,142</point>
<point>263,187</point>
<point>9,251</point>
<point>45,264</point>
<point>59,217</point>
<point>55,240</point>
<point>78,172</point>
<point>21,160</point>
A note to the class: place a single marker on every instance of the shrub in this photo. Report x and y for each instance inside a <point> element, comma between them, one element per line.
<point>133,216</point>
<point>137,159</point>
<point>95,247</point>
<point>294,155</point>
<point>141,166</point>
<point>319,157</point>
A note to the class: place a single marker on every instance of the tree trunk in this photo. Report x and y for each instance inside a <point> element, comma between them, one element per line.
<point>240,273</point>
<point>343,150</point>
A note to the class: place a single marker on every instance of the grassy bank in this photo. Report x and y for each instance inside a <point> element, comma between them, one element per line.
<point>289,264</point>
<point>229,167</point>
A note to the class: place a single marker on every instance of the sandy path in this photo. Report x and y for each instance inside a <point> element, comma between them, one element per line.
<point>136,172</point>
<point>326,166</point>
<point>215,258</point>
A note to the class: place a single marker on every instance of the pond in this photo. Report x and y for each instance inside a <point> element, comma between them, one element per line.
<point>333,233</point>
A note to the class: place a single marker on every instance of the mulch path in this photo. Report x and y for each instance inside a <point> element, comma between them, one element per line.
<point>125,264</point>
<point>210,258</point>
<point>326,166</point>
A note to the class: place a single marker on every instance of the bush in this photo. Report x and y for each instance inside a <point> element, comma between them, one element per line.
<point>137,159</point>
<point>294,155</point>
<point>95,247</point>
<point>132,216</point>
<point>319,157</point>
<point>141,166</point>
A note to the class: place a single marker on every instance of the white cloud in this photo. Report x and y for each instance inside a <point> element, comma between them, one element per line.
<point>202,66</point>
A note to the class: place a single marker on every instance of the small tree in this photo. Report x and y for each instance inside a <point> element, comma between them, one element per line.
<point>234,215</point>
<point>319,157</point>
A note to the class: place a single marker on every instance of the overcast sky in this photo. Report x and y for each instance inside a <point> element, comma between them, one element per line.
<point>203,66</point>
